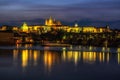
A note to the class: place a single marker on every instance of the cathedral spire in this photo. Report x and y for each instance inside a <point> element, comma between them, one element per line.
<point>50,18</point>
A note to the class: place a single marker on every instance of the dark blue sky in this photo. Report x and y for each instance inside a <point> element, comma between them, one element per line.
<point>85,12</point>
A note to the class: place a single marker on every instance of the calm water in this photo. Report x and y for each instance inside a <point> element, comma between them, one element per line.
<point>59,63</point>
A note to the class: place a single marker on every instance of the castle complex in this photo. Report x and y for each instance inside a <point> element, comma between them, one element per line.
<point>52,23</point>
<point>55,31</point>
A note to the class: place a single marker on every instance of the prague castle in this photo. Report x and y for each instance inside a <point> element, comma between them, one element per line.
<point>54,30</point>
<point>57,25</point>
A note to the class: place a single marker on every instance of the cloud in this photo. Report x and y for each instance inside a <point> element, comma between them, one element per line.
<point>74,10</point>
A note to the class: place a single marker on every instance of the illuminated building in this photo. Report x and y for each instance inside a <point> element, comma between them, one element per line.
<point>75,29</point>
<point>4,28</point>
<point>52,22</point>
<point>76,25</point>
<point>89,29</point>
<point>15,28</point>
<point>93,29</point>
<point>24,27</point>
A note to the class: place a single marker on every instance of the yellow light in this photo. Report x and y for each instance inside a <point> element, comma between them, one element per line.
<point>15,56</point>
<point>25,27</point>
<point>103,49</point>
<point>64,55</point>
<point>69,54</point>
<point>15,53</point>
<point>108,57</point>
<point>76,57</point>
<point>30,55</point>
<point>101,57</point>
<point>35,28</point>
<point>48,60</point>
<point>118,49</point>
<point>24,58</point>
<point>118,56</point>
<point>35,57</point>
<point>90,48</point>
<point>89,57</point>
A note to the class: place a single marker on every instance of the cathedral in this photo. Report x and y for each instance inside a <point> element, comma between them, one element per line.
<point>52,22</point>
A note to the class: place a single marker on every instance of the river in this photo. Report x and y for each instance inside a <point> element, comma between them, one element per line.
<point>35,62</point>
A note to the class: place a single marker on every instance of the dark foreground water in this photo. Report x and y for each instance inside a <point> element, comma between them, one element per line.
<point>59,63</point>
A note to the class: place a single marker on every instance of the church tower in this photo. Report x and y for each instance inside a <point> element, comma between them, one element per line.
<point>52,22</point>
<point>49,21</point>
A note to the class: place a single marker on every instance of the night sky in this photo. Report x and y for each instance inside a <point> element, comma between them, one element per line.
<point>85,12</point>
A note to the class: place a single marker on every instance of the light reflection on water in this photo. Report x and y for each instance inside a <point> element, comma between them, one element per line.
<point>49,57</point>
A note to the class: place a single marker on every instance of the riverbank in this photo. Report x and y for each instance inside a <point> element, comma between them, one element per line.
<point>110,39</point>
